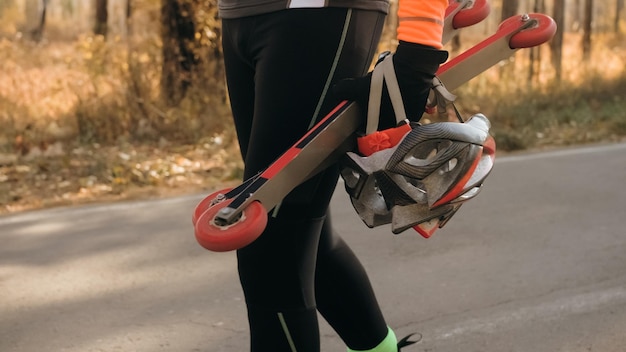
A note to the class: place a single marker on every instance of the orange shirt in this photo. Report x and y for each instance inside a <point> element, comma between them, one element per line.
<point>421,21</point>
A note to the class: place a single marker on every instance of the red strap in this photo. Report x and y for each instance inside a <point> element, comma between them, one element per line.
<point>381,140</point>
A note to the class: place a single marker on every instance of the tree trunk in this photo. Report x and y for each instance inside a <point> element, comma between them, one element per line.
<point>102,18</point>
<point>587,28</point>
<point>32,14</point>
<point>37,32</point>
<point>556,44</point>
<point>534,54</point>
<point>455,45</point>
<point>619,6</point>
<point>178,33</point>
<point>509,8</point>
<point>129,9</point>
<point>129,14</point>
<point>576,17</point>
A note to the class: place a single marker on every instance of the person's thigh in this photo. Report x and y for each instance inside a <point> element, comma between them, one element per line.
<point>299,55</point>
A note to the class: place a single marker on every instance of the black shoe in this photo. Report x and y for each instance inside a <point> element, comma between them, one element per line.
<point>406,342</point>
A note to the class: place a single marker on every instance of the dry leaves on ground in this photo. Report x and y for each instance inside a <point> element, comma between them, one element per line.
<point>61,175</point>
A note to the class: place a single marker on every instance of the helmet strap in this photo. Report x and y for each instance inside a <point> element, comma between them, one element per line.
<point>385,73</point>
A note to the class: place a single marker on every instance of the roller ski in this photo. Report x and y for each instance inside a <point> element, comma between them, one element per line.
<point>420,182</point>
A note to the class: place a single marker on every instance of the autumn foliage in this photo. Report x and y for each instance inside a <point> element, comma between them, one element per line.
<point>88,116</point>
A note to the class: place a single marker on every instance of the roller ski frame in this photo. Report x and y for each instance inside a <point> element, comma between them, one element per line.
<point>230,219</point>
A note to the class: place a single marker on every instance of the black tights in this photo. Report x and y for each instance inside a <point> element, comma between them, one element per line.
<point>297,270</point>
<point>279,68</point>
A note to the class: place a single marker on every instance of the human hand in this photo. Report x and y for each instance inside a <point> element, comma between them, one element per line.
<point>415,66</point>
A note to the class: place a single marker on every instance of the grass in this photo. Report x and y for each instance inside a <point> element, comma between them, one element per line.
<point>586,106</point>
<point>561,115</point>
<point>82,120</point>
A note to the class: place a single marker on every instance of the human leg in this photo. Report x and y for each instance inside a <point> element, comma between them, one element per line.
<point>344,294</point>
<point>279,69</point>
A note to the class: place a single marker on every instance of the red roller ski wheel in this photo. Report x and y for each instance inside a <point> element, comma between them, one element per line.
<point>222,238</point>
<point>206,204</point>
<point>538,34</point>
<point>471,16</point>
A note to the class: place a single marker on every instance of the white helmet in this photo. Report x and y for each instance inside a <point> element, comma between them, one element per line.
<point>423,180</point>
<point>415,175</point>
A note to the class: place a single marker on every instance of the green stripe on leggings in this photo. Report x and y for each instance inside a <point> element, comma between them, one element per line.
<point>283,323</point>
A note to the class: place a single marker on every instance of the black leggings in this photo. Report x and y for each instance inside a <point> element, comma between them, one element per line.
<point>279,68</point>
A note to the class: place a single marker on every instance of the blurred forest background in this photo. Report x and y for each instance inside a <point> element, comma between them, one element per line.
<point>116,99</point>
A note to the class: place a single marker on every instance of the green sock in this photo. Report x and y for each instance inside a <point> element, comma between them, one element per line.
<point>389,344</point>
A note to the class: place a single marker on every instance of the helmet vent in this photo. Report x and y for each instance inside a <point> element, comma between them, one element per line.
<point>351,177</point>
<point>449,166</point>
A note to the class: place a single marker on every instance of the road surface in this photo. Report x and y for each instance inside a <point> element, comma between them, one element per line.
<point>537,262</point>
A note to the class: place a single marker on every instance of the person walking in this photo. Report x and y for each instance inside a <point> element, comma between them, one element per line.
<point>288,63</point>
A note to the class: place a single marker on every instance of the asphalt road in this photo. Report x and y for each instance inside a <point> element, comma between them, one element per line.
<point>537,262</point>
